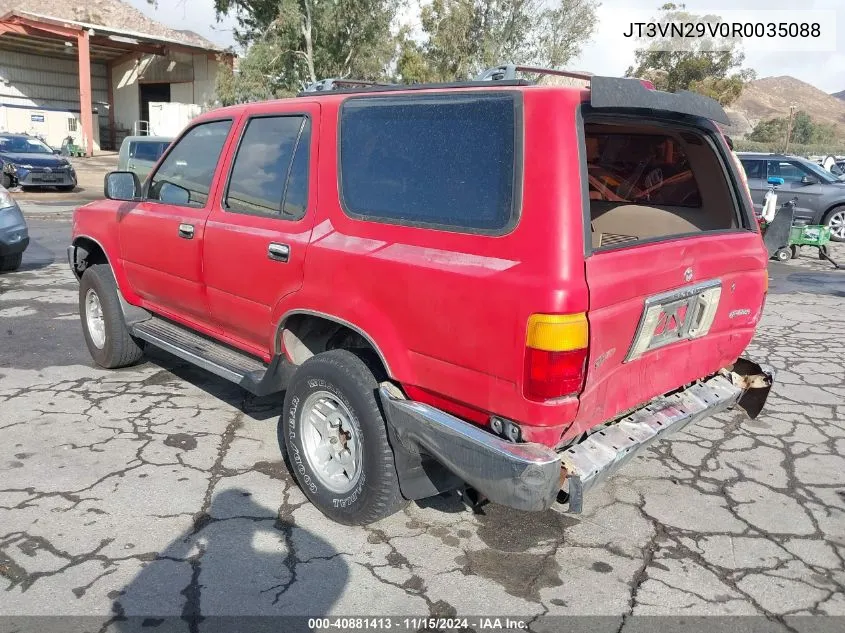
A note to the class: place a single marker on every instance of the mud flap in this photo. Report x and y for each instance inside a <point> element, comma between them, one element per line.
<point>755,381</point>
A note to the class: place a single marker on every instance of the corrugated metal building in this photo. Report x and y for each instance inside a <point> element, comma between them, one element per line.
<point>62,77</point>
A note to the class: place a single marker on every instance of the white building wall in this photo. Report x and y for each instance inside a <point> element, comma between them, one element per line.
<point>127,102</point>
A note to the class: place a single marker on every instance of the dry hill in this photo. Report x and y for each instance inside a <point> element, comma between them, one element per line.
<point>771,97</point>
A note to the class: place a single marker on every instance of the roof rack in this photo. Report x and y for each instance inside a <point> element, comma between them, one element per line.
<point>507,72</point>
<point>336,83</point>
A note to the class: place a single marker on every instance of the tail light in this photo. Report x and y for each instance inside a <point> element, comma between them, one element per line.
<point>555,355</point>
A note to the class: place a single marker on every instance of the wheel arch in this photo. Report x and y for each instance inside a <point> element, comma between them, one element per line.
<point>303,333</point>
<point>92,249</point>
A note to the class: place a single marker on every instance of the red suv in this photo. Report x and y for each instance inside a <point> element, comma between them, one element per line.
<point>494,286</point>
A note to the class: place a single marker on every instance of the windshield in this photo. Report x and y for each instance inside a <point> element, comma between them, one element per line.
<point>818,170</point>
<point>23,145</point>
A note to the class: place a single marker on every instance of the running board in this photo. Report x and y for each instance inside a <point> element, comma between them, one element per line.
<point>249,372</point>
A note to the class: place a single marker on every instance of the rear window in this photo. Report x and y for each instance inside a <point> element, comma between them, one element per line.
<point>652,181</point>
<point>147,150</point>
<point>445,161</point>
<point>640,168</point>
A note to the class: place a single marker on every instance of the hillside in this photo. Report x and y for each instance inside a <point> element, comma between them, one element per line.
<point>771,97</point>
<point>839,95</point>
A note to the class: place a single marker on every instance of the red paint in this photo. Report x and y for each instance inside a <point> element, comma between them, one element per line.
<point>448,311</point>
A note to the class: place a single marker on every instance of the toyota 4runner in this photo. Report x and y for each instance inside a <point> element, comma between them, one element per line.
<point>495,286</point>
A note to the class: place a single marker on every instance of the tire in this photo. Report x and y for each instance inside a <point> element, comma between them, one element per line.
<point>835,220</point>
<point>341,383</point>
<point>112,347</point>
<point>783,255</point>
<point>8,263</point>
<point>795,250</point>
<point>6,181</point>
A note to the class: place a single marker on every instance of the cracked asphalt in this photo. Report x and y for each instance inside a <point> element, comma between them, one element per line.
<point>159,490</point>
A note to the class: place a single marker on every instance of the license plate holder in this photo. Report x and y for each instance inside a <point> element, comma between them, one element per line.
<point>678,315</point>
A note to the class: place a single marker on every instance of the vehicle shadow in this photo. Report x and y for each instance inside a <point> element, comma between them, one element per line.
<point>258,408</point>
<point>36,257</point>
<point>240,568</point>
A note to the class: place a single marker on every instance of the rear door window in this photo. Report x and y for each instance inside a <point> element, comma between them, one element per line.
<point>446,161</point>
<point>270,172</point>
<point>754,169</point>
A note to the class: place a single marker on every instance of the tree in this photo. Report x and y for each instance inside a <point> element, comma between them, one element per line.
<point>804,131</point>
<point>709,66</point>
<point>463,37</point>
<point>292,43</point>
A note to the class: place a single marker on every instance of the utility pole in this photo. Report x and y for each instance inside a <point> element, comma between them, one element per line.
<point>789,128</point>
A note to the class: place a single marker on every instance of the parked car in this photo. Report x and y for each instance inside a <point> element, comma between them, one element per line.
<point>14,234</point>
<point>819,195</point>
<point>141,153</point>
<point>27,161</point>
<point>509,287</point>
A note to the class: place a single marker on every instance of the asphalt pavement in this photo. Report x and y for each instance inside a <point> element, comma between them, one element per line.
<point>159,490</point>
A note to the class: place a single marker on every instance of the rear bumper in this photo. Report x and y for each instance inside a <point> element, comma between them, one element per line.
<point>529,476</point>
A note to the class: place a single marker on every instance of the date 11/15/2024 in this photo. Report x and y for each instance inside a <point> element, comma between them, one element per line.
<point>417,623</point>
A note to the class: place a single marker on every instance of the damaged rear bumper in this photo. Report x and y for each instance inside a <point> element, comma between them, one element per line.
<point>529,476</point>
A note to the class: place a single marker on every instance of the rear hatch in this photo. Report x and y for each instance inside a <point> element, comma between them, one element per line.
<point>677,271</point>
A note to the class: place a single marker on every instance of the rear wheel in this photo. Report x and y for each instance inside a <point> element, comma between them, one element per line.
<point>108,339</point>
<point>835,221</point>
<point>783,254</point>
<point>6,181</point>
<point>336,439</point>
<point>9,263</point>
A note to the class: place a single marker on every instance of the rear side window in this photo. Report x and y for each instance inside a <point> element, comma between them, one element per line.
<point>754,168</point>
<point>270,171</point>
<point>640,168</point>
<point>147,150</point>
<point>446,161</point>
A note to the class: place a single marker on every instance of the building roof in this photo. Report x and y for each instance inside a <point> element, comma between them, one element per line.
<point>114,15</point>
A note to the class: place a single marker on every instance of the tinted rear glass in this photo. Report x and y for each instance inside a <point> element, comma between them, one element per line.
<point>147,150</point>
<point>446,160</point>
<point>754,168</point>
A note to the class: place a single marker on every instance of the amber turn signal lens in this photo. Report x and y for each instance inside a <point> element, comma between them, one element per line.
<point>558,332</point>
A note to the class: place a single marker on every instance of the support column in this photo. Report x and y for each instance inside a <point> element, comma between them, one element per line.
<point>85,104</point>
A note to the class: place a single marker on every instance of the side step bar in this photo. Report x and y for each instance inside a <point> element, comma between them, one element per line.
<point>240,368</point>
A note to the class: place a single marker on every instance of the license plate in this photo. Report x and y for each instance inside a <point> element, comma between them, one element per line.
<point>50,177</point>
<point>674,316</point>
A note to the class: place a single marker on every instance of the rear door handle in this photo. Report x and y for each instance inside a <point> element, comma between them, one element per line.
<point>278,252</point>
<point>186,231</point>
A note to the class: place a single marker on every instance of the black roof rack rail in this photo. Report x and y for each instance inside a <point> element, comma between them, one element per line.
<point>507,72</point>
<point>368,87</point>
<point>336,83</point>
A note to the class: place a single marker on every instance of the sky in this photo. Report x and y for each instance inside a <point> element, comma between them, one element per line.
<point>609,53</point>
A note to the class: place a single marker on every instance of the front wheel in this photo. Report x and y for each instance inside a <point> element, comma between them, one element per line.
<point>105,331</point>
<point>336,440</point>
<point>836,223</point>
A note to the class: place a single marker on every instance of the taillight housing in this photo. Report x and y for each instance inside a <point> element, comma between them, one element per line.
<point>556,347</point>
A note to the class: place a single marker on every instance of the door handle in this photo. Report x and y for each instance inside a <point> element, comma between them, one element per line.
<point>186,231</point>
<point>278,252</point>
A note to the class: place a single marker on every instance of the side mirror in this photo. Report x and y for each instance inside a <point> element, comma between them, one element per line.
<point>775,180</point>
<point>57,151</point>
<point>170,193</point>
<point>122,185</point>
<point>809,180</point>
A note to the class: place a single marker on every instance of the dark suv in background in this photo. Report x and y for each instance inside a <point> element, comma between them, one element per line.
<point>820,196</point>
